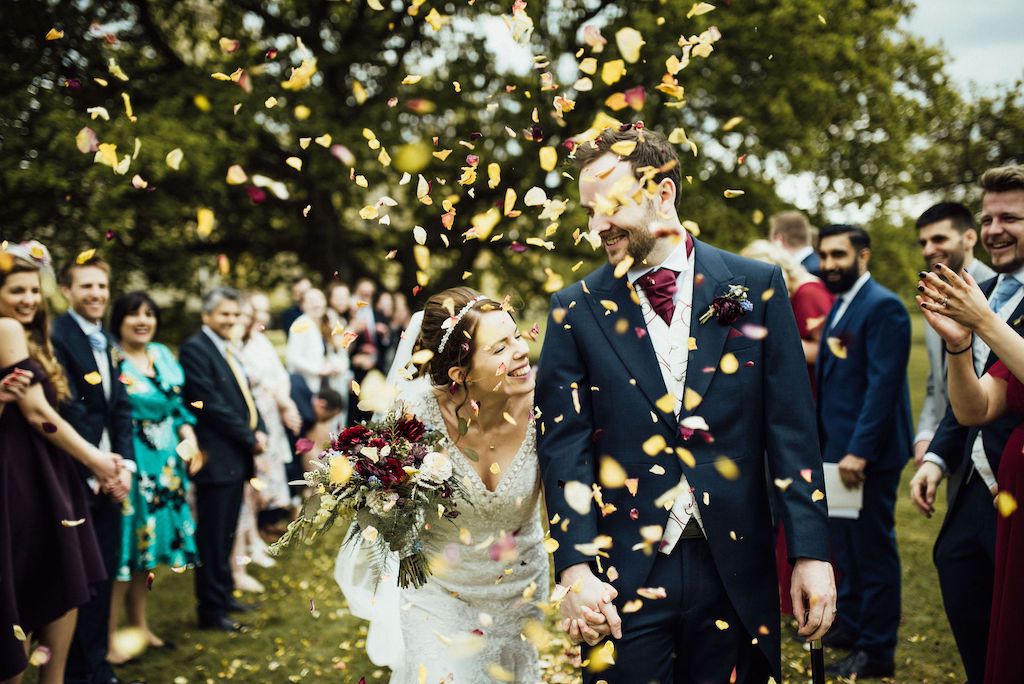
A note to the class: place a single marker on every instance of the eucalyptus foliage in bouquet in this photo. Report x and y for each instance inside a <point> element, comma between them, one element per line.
<point>392,481</point>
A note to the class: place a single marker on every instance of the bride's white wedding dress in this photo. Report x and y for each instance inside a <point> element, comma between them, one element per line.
<point>466,622</point>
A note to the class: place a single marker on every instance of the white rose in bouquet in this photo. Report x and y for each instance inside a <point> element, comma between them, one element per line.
<point>436,468</point>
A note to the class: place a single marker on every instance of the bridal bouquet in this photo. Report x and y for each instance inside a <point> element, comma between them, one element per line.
<point>391,480</point>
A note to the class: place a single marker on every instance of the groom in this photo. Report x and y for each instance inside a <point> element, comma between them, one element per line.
<point>666,378</point>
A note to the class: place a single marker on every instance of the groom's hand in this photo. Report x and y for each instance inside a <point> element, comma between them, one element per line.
<point>588,613</point>
<point>813,591</point>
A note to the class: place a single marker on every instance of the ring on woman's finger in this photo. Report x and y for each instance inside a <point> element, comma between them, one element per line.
<point>945,301</point>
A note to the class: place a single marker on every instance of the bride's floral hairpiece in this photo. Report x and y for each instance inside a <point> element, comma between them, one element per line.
<point>452,322</point>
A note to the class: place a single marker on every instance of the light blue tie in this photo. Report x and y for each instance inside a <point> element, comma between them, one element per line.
<point>1006,288</point>
<point>98,341</point>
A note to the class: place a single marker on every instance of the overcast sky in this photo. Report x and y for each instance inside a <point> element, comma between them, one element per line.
<point>982,37</point>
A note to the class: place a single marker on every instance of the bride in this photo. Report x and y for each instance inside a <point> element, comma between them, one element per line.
<point>466,624</point>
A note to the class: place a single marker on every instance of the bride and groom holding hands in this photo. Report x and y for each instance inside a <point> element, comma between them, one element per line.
<point>671,389</point>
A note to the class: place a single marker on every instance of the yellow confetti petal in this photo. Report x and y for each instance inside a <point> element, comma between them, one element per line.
<point>667,404</point>
<point>729,194</point>
<point>19,633</point>
<point>623,148</point>
<point>817,495</point>
<point>54,34</point>
<point>727,468</point>
<point>236,175</point>
<point>613,71</point>
<point>411,79</point>
<point>729,364</point>
<point>1006,504</point>
<point>612,475</point>
<point>548,158</point>
<point>836,346</point>
<point>629,41</point>
<point>375,5</point>
<point>686,456</point>
<point>699,8</point>
<point>205,221</point>
<point>174,158</point>
<point>85,256</point>
<point>550,545</point>
<point>93,378</point>
<point>691,399</point>
<point>72,523</point>
<point>495,469</point>
<point>578,496</point>
<point>722,625</point>
<point>294,162</point>
<point>654,445</point>
<point>732,123</point>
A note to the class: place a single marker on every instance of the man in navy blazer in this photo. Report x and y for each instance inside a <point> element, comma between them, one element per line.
<point>653,431</point>
<point>99,411</point>
<point>230,433</point>
<point>865,424</point>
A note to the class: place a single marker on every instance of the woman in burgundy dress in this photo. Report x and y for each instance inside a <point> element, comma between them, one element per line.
<point>957,309</point>
<point>811,302</point>
<point>49,556</point>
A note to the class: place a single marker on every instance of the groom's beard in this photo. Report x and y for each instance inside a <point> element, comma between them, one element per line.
<point>840,280</point>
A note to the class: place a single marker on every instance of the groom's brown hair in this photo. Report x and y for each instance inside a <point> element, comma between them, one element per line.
<point>652,150</point>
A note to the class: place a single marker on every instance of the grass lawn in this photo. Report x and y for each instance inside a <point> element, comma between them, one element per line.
<point>303,633</point>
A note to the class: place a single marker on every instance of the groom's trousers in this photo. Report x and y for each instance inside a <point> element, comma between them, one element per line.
<point>681,639</point>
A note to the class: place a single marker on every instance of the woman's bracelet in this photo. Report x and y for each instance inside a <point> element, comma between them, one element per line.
<point>956,353</point>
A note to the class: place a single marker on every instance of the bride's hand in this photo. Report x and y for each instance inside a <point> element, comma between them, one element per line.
<point>588,613</point>
<point>953,305</point>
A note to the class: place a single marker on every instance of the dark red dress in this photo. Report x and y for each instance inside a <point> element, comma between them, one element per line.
<point>48,560</point>
<point>811,303</point>
<point>1005,660</point>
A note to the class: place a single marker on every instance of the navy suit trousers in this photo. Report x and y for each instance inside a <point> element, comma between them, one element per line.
<point>869,563</point>
<point>684,623</point>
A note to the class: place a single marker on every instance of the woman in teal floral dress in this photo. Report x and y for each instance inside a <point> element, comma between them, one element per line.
<point>157,525</point>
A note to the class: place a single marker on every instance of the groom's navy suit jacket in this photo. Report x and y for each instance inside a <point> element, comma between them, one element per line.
<point>863,399</point>
<point>598,390</point>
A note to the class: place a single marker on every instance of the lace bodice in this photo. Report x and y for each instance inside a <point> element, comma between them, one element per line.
<point>496,531</point>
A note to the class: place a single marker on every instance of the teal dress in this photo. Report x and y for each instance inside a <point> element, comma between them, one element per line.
<point>157,524</point>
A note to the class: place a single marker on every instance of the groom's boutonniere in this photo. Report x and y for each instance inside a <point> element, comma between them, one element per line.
<point>729,307</point>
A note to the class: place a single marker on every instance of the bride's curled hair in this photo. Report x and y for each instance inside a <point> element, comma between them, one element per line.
<point>458,351</point>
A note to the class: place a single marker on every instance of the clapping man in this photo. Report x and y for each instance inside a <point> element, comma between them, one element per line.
<point>99,411</point>
<point>947,236</point>
<point>965,548</point>
<point>230,433</point>
<point>864,423</point>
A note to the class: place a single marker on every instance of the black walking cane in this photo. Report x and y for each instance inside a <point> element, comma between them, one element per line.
<point>817,662</point>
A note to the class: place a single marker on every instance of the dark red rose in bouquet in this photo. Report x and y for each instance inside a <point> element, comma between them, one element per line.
<point>350,438</point>
<point>411,429</point>
<point>388,470</point>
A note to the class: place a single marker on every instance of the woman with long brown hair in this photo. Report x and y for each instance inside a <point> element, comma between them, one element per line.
<point>49,555</point>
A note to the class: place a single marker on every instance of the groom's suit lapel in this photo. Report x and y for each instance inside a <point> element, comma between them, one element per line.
<point>711,279</point>
<point>632,345</point>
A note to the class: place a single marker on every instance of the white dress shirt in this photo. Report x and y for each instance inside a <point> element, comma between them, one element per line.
<point>672,348</point>
<point>980,353</point>
<point>802,253</point>
<point>843,300</point>
<point>102,365</point>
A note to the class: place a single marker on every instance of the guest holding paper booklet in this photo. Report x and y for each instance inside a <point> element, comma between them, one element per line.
<point>865,425</point>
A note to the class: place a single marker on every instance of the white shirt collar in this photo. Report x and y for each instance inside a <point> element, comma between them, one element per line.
<point>221,344</point>
<point>677,260</point>
<point>88,327</point>
<point>852,292</point>
<point>802,253</point>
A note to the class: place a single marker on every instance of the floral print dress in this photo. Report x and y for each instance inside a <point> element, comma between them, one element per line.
<point>157,525</point>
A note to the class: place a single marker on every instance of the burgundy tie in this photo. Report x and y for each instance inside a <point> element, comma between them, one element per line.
<point>660,287</point>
